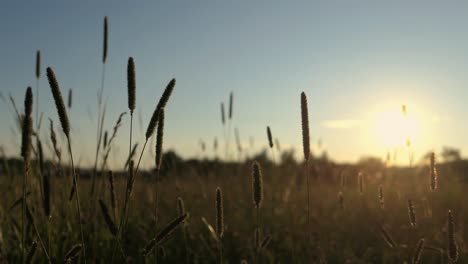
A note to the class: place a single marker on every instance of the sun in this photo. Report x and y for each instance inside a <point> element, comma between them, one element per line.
<point>396,127</point>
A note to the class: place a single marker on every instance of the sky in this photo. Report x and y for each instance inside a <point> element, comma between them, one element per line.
<point>357,61</point>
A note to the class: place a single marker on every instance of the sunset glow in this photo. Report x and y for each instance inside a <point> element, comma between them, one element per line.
<point>394,129</point>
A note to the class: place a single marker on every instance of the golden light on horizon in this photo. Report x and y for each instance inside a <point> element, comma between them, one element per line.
<point>395,128</point>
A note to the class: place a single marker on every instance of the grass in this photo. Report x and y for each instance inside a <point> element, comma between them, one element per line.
<point>314,211</point>
<point>360,244</point>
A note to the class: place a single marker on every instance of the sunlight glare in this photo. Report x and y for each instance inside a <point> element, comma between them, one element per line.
<point>394,129</point>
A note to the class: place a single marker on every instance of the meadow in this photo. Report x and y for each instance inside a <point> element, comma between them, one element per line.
<point>266,208</point>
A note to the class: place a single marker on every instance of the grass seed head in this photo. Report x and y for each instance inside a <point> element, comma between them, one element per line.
<point>381,197</point>
<point>223,118</point>
<point>411,213</point>
<point>105,139</point>
<point>305,127</point>
<point>231,101</point>
<point>164,234</point>
<point>131,83</point>
<point>62,112</point>
<point>105,41</point>
<point>433,172</point>
<point>159,139</point>
<point>38,64</point>
<point>257,184</point>
<point>70,98</point>
<point>270,138</point>
<point>418,252</point>
<point>387,237</point>
<point>27,126</point>
<point>452,247</point>
<point>219,213</point>
<point>161,104</point>
<point>107,217</point>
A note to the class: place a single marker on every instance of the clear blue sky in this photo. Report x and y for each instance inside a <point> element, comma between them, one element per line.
<point>354,59</point>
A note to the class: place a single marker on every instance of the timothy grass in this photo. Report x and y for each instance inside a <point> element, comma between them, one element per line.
<point>101,107</point>
<point>283,234</point>
<point>62,113</point>
<point>418,252</point>
<point>70,98</point>
<point>306,150</point>
<point>411,213</point>
<point>452,247</point>
<point>363,231</point>
<point>363,243</point>
<point>26,153</point>
<point>38,76</point>
<point>270,143</point>
<point>164,234</point>
<point>131,87</point>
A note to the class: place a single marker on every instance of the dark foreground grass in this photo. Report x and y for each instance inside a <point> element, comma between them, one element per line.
<point>338,235</point>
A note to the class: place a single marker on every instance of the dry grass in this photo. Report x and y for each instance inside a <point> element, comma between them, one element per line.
<point>289,230</point>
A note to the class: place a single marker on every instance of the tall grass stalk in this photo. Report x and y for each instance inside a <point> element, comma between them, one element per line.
<point>32,251</point>
<point>257,191</point>
<point>164,234</point>
<point>107,153</point>
<point>128,194</point>
<point>110,224</point>
<point>32,222</point>
<point>306,149</point>
<point>113,196</point>
<point>158,161</point>
<point>149,132</point>
<point>418,252</point>
<point>26,153</point>
<point>154,118</point>
<point>239,144</point>
<point>270,143</point>
<point>101,109</point>
<point>131,85</point>
<point>181,211</point>
<point>70,98</point>
<point>38,76</point>
<point>62,113</point>
<point>223,122</point>
<point>47,204</point>
<point>231,102</point>
<point>433,181</point>
<point>133,172</point>
<point>452,247</point>
<point>219,221</point>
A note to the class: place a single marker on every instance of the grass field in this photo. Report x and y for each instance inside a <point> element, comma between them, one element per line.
<point>339,233</point>
<point>216,211</point>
